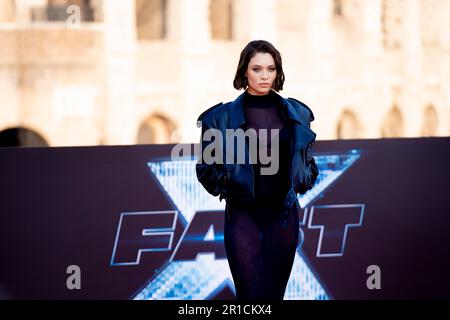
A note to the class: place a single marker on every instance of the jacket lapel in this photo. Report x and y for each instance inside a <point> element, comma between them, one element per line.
<point>302,136</point>
<point>236,112</point>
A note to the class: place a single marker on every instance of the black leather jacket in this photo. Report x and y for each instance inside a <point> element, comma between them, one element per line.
<point>235,181</point>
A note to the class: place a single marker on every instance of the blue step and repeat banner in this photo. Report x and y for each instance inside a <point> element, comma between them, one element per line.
<point>126,222</point>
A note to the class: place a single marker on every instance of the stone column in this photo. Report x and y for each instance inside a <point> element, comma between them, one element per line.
<point>194,49</point>
<point>120,78</point>
<point>254,20</point>
<point>262,19</point>
<point>412,82</point>
<point>9,95</point>
<point>316,64</point>
<point>376,95</point>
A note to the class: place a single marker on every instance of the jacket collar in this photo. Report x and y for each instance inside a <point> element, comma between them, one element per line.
<point>237,115</point>
<point>302,134</point>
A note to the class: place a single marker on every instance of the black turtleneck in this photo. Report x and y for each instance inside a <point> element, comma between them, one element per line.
<point>265,112</point>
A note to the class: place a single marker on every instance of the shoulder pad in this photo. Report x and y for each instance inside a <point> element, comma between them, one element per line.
<point>304,105</point>
<point>208,110</point>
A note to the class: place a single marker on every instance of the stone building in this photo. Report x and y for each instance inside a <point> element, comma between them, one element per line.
<point>89,72</point>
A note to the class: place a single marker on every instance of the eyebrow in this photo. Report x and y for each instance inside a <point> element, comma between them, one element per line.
<point>257,65</point>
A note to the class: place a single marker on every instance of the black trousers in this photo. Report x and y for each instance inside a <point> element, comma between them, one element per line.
<point>260,244</point>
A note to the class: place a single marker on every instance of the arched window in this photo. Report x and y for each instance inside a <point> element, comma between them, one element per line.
<point>348,126</point>
<point>157,129</point>
<point>21,137</point>
<point>220,17</point>
<point>430,122</point>
<point>393,124</point>
<point>57,9</point>
<point>337,7</point>
<point>151,19</point>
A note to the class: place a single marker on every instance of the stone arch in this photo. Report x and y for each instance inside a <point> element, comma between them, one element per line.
<point>430,121</point>
<point>21,137</point>
<point>348,126</point>
<point>157,129</point>
<point>393,124</point>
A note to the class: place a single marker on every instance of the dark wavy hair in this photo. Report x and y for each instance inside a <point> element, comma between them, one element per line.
<point>251,49</point>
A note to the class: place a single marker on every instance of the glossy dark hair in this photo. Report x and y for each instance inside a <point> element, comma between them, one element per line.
<point>250,50</point>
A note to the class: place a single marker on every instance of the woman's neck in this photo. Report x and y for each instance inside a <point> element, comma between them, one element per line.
<point>258,95</point>
<point>259,101</point>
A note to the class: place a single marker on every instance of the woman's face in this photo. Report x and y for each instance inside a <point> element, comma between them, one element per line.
<point>261,72</point>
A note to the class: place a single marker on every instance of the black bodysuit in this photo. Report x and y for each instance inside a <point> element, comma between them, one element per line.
<point>261,239</point>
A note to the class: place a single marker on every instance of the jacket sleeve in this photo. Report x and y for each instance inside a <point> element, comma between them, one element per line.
<point>213,176</point>
<point>311,169</point>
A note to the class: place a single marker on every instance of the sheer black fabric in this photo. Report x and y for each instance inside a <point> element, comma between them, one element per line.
<point>262,112</point>
<point>260,250</point>
<point>261,239</point>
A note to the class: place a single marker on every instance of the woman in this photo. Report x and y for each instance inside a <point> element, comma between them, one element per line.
<point>261,214</point>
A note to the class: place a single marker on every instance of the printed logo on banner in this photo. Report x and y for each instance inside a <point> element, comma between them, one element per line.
<point>200,253</point>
